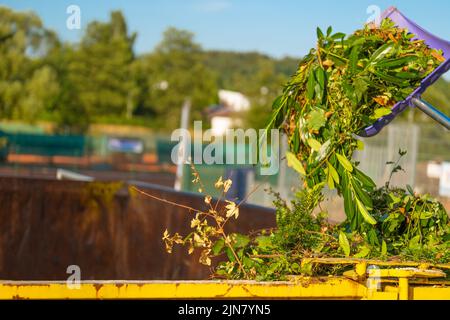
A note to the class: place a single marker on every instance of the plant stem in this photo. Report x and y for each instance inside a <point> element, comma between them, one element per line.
<point>168,201</point>
<point>231,248</point>
<point>266,256</point>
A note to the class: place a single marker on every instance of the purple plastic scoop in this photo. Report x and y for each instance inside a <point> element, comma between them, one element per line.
<point>413,100</point>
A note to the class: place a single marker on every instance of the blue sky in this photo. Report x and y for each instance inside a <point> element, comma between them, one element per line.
<point>275,27</point>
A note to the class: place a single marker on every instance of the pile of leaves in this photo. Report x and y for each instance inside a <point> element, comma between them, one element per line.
<point>409,227</point>
<point>341,87</point>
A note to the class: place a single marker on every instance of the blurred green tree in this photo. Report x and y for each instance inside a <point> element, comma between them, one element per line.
<point>101,68</point>
<point>68,113</point>
<point>177,72</point>
<point>26,86</point>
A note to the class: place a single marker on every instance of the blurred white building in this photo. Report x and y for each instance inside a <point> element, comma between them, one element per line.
<point>227,114</point>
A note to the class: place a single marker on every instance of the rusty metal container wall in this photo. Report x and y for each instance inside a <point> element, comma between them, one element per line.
<point>110,233</point>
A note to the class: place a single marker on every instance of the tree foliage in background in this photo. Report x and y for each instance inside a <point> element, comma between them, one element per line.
<point>97,75</point>
<point>26,86</point>
<point>177,73</point>
<point>102,68</point>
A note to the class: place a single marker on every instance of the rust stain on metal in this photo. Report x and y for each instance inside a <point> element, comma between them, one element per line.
<point>97,286</point>
<point>249,292</point>
<point>226,292</point>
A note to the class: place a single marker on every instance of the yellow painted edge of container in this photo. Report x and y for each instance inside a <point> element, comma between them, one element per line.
<point>310,288</point>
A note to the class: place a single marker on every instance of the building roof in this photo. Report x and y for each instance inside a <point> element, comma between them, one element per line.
<point>230,102</point>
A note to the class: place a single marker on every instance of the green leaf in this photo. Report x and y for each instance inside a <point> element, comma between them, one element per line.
<point>306,268</point>
<point>348,199</point>
<point>310,86</point>
<point>414,243</point>
<point>320,76</point>
<point>344,162</point>
<point>344,244</point>
<point>360,86</point>
<point>230,254</point>
<point>264,242</point>
<point>408,75</point>
<point>296,141</point>
<point>314,144</point>
<point>358,41</point>
<point>388,78</point>
<point>330,180</point>
<point>410,189</point>
<point>333,172</point>
<point>295,267</point>
<point>363,210</point>
<point>394,199</point>
<point>381,52</point>
<point>383,248</point>
<point>353,63</point>
<point>277,106</point>
<point>397,62</point>
<point>372,237</point>
<point>319,92</point>
<point>247,262</point>
<point>361,194</point>
<point>381,112</point>
<point>218,246</point>
<point>364,252</point>
<point>426,215</point>
<point>295,164</point>
<point>338,36</point>
<point>316,119</point>
<point>240,240</point>
<point>339,61</point>
<point>320,34</point>
<point>320,86</point>
<point>366,181</point>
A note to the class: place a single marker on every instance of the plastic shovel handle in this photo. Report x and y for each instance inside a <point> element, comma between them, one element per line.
<point>432,112</point>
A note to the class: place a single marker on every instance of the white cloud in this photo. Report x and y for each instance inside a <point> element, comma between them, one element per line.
<point>211,6</point>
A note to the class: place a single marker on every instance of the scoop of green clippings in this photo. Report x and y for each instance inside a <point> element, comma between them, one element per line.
<point>341,87</point>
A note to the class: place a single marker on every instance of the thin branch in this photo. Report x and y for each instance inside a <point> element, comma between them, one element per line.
<point>266,256</point>
<point>163,200</point>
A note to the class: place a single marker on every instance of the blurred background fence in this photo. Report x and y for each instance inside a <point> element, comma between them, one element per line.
<point>146,156</point>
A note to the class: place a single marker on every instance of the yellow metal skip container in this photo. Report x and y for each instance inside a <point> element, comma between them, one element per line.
<point>410,281</point>
<point>307,288</point>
